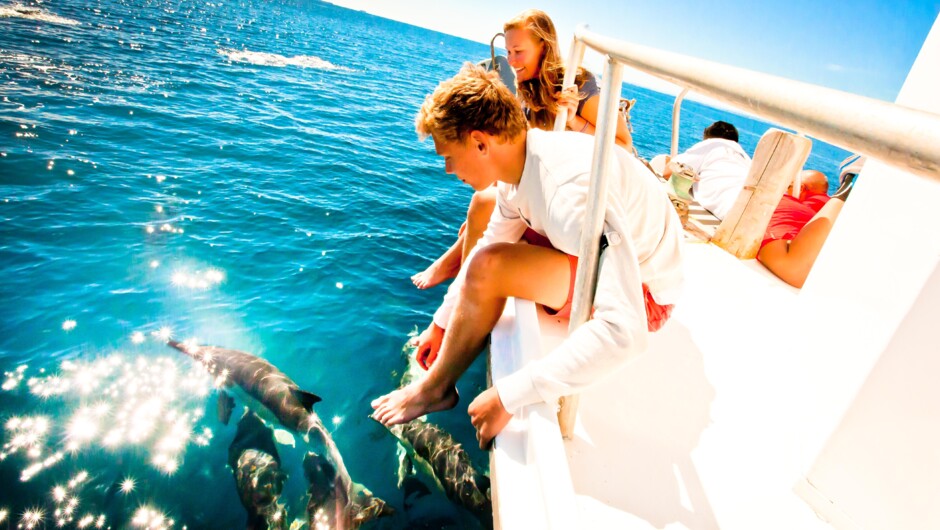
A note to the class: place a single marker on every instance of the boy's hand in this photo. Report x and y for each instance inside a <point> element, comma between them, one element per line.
<point>488,416</point>
<point>428,344</point>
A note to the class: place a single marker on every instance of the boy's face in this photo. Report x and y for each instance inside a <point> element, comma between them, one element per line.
<point>467,160</point>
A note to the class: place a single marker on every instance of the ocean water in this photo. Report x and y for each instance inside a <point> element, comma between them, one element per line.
<point>244,173</point>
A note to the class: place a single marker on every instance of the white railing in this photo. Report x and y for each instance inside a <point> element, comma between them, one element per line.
<point>676,109</point>
<point>899,136</point>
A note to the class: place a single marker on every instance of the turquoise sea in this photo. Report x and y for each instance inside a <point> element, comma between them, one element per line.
<point>245,173</point>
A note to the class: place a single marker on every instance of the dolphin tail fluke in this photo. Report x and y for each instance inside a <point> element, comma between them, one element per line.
<point>307,399</point>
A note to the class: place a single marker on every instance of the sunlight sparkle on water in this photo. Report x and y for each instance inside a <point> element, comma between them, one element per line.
<point>153,403</point>
<point>137,337</point>
<point>32,517</point>
<point>27,434</point>
<point>150,519</point>
<point>204,438</point>
<point>215,276</point>
<point>128,485</point>
<point>79,477</point>
<point>58,493</point>
<point>82,428</point>
<point>69,325</point>
<point>198,280</point>
<point>13,379</point>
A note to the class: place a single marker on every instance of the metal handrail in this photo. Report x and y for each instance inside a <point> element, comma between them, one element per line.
<point>676,110</point>
<point>493,50</point>
<point>575,56</point>
<point>899,136</point>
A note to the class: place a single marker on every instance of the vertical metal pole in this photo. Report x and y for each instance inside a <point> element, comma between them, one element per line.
<point>589,252</point>
<point>575,56</point>
<point>676,108</point>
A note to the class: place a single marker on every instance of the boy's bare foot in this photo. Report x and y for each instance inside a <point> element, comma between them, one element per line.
<point>410,402</point>
<point>439,271</point>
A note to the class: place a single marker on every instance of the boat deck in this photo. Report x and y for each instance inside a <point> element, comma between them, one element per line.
<point>696,433</point>
<point>757,403</point>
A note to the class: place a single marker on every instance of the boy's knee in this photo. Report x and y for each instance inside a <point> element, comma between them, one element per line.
<point>485,266</point>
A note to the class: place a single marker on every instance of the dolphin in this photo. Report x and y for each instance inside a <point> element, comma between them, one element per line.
<point>279,394</point>
<point>450,464</point>
<point>434,450</point>
<point>252,433</point>
<point>261,380</point>
<point>332,502</point>
<point>256,465</point>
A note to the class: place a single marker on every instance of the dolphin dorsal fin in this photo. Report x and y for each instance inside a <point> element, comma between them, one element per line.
<point>307,399</point>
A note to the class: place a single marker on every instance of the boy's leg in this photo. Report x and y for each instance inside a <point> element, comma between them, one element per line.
<point>478,217</point>
<point>497,272</point>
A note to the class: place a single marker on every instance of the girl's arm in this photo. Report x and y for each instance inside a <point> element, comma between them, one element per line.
<point>587,121</point>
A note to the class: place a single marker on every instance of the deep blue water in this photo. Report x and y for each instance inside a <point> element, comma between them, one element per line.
<point>241,172</point>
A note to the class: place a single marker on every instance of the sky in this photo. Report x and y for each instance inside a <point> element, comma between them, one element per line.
<point>865,46</point>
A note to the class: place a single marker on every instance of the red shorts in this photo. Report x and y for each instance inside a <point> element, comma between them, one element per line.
<point>656,314</point>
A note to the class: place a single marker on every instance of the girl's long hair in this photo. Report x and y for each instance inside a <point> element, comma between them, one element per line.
<point>538,93</point>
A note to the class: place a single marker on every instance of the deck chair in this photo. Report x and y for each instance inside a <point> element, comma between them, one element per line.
<point>779,156</point>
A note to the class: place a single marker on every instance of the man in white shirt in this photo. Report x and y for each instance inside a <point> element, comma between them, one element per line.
<point>542,184</point>
<point>721,166</point>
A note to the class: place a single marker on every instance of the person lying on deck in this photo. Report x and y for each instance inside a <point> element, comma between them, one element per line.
<point>721,166</point>
<point>532,51</point>
<point>799,227</point>
<point>542,183</point>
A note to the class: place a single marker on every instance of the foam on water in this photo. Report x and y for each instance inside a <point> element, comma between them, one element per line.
<point>273,59</point>
<point>35,13</point>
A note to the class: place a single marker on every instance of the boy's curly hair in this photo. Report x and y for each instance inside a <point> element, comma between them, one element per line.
<point>472,100</point>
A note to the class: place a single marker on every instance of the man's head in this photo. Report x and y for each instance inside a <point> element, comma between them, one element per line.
<point>721,129</point>
<point>466,116</point>
<point>812,182</point>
